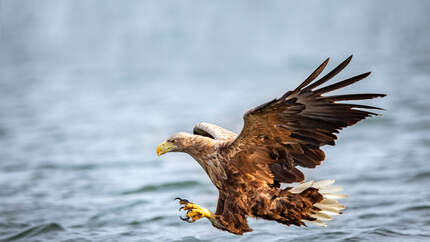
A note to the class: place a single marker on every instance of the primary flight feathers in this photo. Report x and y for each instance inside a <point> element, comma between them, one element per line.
<point>293,127</point>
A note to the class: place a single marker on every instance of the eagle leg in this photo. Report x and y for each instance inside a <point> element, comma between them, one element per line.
<point>194,211</point>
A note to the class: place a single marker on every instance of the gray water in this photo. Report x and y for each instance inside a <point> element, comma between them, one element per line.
<point>88,89</point>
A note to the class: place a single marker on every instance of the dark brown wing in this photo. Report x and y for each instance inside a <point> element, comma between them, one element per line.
<point>289,131</point>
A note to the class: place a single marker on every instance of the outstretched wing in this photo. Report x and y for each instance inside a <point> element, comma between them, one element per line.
<point>289,131</point>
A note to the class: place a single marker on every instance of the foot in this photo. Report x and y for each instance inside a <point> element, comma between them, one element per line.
<point>194,211</point>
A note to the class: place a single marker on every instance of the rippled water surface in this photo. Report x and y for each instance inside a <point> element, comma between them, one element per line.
<point>88,90</point>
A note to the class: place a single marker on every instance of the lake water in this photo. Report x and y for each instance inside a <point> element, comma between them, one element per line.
<point>89,89</point>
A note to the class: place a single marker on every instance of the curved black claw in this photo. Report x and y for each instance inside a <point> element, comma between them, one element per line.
<point>187,219</point>
<point>182,201</point>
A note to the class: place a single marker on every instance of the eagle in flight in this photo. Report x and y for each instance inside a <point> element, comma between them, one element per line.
<point>277,137</point>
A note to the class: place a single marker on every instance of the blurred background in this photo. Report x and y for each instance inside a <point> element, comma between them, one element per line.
<point>88,89</point>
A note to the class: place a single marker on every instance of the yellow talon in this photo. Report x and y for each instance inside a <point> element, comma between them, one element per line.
<point>189,206</point>
<point>194,211</point>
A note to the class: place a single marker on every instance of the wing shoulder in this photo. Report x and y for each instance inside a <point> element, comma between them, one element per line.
<point>214,131</point>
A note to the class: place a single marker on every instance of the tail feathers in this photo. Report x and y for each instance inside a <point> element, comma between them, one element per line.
<point>326,208</point>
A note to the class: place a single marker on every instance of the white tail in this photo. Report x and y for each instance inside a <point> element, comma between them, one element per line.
<point>329,205</point>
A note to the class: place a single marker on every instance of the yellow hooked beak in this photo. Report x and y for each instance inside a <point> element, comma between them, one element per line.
<point>165,147</point>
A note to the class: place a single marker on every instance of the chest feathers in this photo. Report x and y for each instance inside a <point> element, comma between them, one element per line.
<point>205,151</point>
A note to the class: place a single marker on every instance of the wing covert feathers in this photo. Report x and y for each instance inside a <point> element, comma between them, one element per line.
<point>291,129</point>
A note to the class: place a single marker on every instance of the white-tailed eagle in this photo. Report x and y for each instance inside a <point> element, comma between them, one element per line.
<point>278,137</point>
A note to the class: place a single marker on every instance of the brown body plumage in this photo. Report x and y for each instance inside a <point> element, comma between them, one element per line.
<point>277,137</point>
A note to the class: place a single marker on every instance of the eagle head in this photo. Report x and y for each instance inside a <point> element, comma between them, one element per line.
<point>176,143</point>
